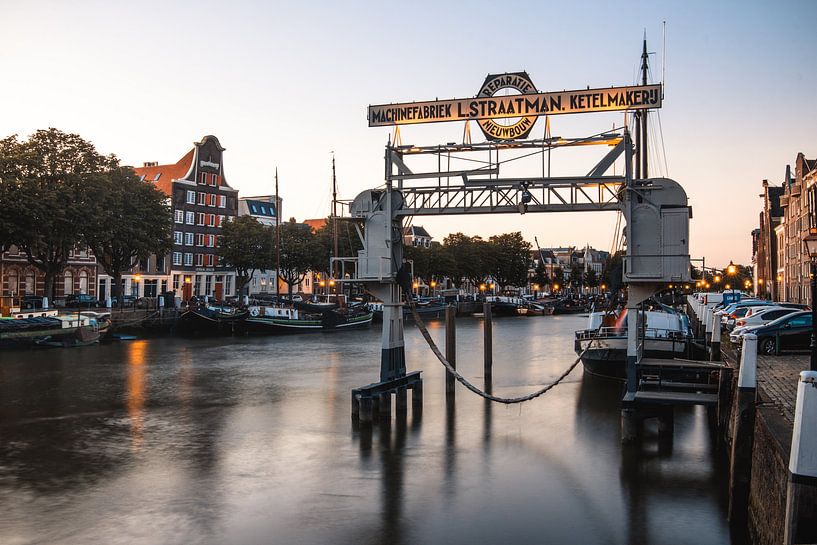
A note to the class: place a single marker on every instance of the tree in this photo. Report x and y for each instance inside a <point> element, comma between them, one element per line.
<point>300,253</point>
<point>348,243</point>
<point>469,258</point>
<point>540,275</point>
<point>132,220</point>
<point>511,259</point>
<point>576,277</point>
<point>591,279</point>
<point>611,274</point>
<point>558,276</point>
<point>44,181</point>
<point>248,246</point>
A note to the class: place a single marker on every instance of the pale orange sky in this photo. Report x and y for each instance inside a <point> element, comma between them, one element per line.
<point>283,85</point>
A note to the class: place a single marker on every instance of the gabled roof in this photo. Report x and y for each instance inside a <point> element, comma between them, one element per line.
<point>417,231</point>
<point>775,192</point>
<point>166,173</point>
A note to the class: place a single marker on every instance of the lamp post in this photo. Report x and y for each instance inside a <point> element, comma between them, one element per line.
<point>810,242</point>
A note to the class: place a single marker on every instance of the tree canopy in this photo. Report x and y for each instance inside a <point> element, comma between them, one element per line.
<point>248,246</point>
<point>300,253</point>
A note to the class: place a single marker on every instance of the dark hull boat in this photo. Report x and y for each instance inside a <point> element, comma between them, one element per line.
<point>428,310</point>
<point>211,321</point>
<point>285,320</point>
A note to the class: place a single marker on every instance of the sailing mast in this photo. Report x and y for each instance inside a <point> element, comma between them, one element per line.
<point>334,214</point>
<point>277,239</point>
<point>644,153</point>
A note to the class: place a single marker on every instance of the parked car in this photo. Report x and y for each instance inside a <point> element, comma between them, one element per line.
<point>792,332</point>
<point>127,301</point>
<point>760,318</point>
<point>796,306</point>
<point>81,300</point>
<point>31,302</point>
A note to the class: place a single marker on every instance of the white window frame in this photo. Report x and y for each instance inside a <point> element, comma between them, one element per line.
<point>213,178</point>
<point>178,237</point>
<point>179,216</point>
<point>177,258</point>
<point>202,199</point>
<point>190,218</point>
<point>188,259</point>
<point>211,220</point>
<point>191,197</point>
<point>222,201</point>
<point>201,218</point>
<point>188,239</point>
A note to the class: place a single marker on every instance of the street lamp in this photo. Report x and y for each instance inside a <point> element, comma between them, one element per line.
<point>810,242</point>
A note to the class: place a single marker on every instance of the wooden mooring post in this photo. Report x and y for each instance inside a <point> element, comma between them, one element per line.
<point>450,349</point>
<point>801,517</point>
<point>488,344</point>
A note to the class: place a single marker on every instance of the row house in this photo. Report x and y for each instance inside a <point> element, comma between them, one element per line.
<point>799,204</point>
<point>764,242</point>
<point>201,200</point>
<point>416,235</point>
<point>19,278</point>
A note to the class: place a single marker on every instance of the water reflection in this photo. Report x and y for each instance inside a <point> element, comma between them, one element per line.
<point>135,388</point>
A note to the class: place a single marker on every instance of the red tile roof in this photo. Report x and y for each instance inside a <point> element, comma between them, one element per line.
<point>315,225</point>
<point>167,173</point>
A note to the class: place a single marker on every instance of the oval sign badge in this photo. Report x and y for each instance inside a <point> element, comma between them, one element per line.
<point>494,83</point>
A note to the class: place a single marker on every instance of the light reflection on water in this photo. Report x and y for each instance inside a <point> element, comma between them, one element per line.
<point>250,441</point>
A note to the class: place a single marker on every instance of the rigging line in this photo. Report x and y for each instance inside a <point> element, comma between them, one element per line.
<point>464,381</point>
<point>663,147</point>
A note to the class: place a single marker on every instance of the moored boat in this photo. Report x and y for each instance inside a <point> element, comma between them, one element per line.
<point>603,345</point>
<point>289,319</point>
<point>211,320</point>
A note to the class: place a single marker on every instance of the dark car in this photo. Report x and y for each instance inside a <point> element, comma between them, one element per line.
<point>81,300</point>
<point>791,332</point>
<point>31,302</point>
<point>127,301</point>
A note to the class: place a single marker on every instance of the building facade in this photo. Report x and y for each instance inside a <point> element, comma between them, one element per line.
<point>265,211</point>
<point>765,241</point>
<point>19,278</point>
<point>201,200</point>
<point>799,204</point>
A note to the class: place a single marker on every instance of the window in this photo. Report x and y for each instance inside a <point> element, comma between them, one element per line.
<point>68,283</point>
<point>213,179</point>
<point>202,178</point>
<point>208,284</point>
<point>177,260</point>
<point>199,239</point>
<point>160,263</point>
<point>188,239</point>
<point>221,220</point>
<point>212,199</point>
<point>254,209</point>
<point>191,197</point>
<point>188,260</point>
<point>222,201</point>
<point>178,237</point>
<point>199,260</point>
<point>190,218</point>
<point>211,220</point>
<point>176,281</point>
<point>202,199</point>
<point>179,216</point>
<point>800,321</point>
<point>200,218</point>
<point>211,241</point>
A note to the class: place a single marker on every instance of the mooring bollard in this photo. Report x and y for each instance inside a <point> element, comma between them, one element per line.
<point>384,407</point>
<point>365,410</point>
<point>450,348</point>
<point>708,325</point>
<point>801,516</point>
<point>401,401</point>
<point>417,400</point>
<point>488,343</point>
<point>743,433</point>
<point>715,348</point>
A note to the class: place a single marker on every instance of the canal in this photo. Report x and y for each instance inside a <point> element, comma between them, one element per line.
<point>246,441</point>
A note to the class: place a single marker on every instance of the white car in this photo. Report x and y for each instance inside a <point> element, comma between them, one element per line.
<point>758,319</point>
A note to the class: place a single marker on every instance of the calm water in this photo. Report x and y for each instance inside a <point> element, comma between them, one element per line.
<point>246,441</point>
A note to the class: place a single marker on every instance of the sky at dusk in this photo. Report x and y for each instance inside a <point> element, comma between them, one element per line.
<point>285,84</point>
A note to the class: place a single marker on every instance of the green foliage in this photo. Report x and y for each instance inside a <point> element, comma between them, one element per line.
<point>511,257</point>
<point>576,278</point>
<point>540,275</point>
<point>301,252</point>
<point>131,221</point>
<point>248,246</point>
<point>348,244</point>
<point>468,258</point>
<point>46,182</point>
<point>591,279</point>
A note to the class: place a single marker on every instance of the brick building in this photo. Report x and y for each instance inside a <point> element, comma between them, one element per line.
<point>201,200</point>
<point>764,244</point>
<point>19,278</point>
<point>799,203</point>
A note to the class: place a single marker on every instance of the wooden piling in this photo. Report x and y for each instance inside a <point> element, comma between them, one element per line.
<point>385,407</point>
<point>365,410</point>
<point>450,348</point>
<point>417,400</point>
<point>488,343</point>
<point>401,401</point>
<point>355,406</point>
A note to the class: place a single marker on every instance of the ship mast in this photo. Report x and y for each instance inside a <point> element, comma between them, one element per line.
<point>277,239</point>
<point>643,146</point>
<point>334,214</point>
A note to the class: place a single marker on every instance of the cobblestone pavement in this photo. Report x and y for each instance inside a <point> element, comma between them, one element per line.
<point>778,377</point>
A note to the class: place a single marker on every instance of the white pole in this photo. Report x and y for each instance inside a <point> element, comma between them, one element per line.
<point>803,459</point>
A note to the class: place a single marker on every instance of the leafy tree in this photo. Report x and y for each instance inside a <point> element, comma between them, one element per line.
<point>558,276</point>
<point>591,279</point>
<point>348,243</point>
<point>469,258</point>
<point>540,275</point>
<point>248,246</point>
<point>44,181</point>
<point>300,253</point>
<point>611,274</point>
<point>576,277</point>
<point>132,220</point>
<point>512,256</point>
